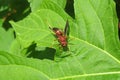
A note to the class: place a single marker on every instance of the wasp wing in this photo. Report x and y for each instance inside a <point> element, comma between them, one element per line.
<point>66,29</point>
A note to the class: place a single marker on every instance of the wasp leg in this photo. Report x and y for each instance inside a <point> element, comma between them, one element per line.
<point>54,43</point>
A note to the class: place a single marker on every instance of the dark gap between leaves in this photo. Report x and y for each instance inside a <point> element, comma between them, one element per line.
<point>69,8</point>
<point>118,14</point>
<point>17,10</point>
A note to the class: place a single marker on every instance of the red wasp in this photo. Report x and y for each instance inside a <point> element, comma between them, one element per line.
<point>61,35</point>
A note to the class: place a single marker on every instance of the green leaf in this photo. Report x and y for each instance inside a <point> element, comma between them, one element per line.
<point>15,48</point>
<point>18,72</point>
<point>61,3</point>
<point>36,5</point>
<point>99,27</point>
<point>73,67</point>
<point>6,39</point>
<point>93,42</point>
<point>53,5</point>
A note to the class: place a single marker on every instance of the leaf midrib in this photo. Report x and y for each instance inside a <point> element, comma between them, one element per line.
<point>107,53</point>
<point>86,75</point>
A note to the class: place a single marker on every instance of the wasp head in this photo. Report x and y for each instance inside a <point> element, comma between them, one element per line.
<point>57,31</point>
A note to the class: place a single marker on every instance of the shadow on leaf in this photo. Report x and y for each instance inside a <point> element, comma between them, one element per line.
<point>40,52</point>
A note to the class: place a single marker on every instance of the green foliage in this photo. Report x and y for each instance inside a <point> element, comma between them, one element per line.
<point>52,4</point>
<point>34,54</point>
<point>6,39</point>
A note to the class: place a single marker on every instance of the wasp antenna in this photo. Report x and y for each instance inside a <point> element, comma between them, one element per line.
<point>48,24</point>
<point>50,28</point>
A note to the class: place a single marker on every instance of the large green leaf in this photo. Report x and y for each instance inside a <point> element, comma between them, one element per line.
<point>35,28</point>
<point>53,5</point>
<point>82,66</point>
<point>99,27</point>
<point>93,42</point>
